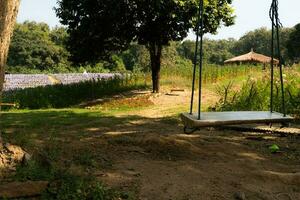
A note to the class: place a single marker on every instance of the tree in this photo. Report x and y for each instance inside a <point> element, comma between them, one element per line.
<point>214,51</point>
<point>293,44</point>
<point>136,58</point>
<point>217,51</point>
<point>35,46</point>
<point>98,28</point>
<point>8,14</point>
<point>59,36</point>
<point>260,41</point>
<point>187,49</point>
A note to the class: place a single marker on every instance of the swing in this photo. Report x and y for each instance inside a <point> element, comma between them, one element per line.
<point>193,121</point>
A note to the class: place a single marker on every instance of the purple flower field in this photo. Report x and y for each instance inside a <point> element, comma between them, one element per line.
<point>22,81</point>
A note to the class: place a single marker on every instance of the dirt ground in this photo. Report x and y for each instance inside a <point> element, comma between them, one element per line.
<point>151,157</point>
<point>145,152</point>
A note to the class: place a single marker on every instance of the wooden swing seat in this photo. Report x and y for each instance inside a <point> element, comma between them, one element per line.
<point>211,119</point>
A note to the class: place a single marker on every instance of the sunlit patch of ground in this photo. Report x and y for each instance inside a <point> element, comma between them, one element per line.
<point>136,144</point>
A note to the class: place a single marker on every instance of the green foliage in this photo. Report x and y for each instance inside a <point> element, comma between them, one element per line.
<point>274,148</point>
<point>64,185</point>
<point>255,95</point>
<point>187,49</point>
<point>214,51</point>
<point>260,41</point>
<point>32,47</point>
<point>252,95</point>
<point>293,44</point>
<point>59,36</point>
<point>59,96</point>
<point>34,170</point>
<point>78,188</point>
<point>217,51</point>
<point>105,21</point>
<point>148,22</point>
<point>113,24</point>
<point>136,58</point>
<point>85,158</point>
<point>97,68</point>
<point>117,64</point>
<point>36,48</point>
<point>211,73</point>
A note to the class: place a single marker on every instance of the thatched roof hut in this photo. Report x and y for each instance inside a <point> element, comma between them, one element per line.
<point>251,57</point>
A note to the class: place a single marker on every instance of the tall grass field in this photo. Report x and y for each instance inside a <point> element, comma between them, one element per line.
<point>254,93</point>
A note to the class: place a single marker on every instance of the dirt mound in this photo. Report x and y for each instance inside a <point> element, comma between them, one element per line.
<point>159,147</point>
<point>169,148</point>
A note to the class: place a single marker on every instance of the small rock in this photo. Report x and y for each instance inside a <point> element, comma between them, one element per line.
<point>239,196</point>
<point>23,189</point>
<point>16,150</point>
<point>11,155</point>
<point>26,158</point>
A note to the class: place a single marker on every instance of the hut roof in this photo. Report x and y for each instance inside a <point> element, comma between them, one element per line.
<point>251,57</point>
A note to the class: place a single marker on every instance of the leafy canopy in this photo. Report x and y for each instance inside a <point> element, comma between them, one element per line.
<point>35,46</point>
<point>293,44</point>
<point>260,41</point>
<point>98,28</point>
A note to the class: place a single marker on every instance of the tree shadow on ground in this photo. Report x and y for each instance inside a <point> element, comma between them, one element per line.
<point>117,148</point>
<point>81,128</point>
<point>77,125</point>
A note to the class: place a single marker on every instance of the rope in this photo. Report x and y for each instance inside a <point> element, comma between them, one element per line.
<point>199,32</point>
<point>274,10</point>
<point>272,17</point>
<point>276,25</point>
<point>201,56</point>
<point>195,60</point>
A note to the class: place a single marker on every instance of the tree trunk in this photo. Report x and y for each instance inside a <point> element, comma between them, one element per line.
<point>8,14</point>
<point>155,57</point>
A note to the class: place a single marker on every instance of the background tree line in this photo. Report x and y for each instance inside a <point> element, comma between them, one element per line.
<point>37,48</point>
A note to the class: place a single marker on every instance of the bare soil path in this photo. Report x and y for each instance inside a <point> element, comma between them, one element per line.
<point>153,158</point>
<point>144,151</point>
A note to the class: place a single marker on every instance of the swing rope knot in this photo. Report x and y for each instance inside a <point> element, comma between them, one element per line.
<point>274,14</point>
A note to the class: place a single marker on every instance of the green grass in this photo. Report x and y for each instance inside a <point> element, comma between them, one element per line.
<point>68,144</point>
<point>181,75</point>
<point>64,96</point>
<point>54,122</point>
<point>64,185</point>
<point>57,139</point>
<point>254,93</point>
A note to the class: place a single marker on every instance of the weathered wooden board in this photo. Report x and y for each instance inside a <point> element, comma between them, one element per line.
<point>233,118</point>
